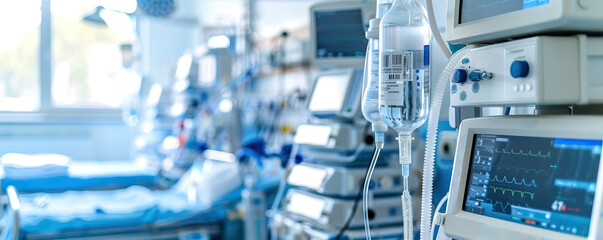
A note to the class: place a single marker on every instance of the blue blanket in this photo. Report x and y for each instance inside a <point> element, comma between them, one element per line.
<point>134,207</point>
<point>87,176</point>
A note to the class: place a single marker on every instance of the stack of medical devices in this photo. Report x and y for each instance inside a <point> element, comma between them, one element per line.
<point>324,191</point>
<point>535,176</point>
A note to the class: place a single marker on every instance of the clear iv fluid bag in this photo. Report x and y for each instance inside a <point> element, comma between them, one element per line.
<point>383,6</point>
<point>404,67</point>
<point>370,101</point>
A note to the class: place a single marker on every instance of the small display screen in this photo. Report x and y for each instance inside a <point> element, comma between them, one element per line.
<point>472,10</point>
<point>309,177</point>
<point>340,34</point>
<point>329,93</point>
<point>548,183</point>
<point>305,205</point>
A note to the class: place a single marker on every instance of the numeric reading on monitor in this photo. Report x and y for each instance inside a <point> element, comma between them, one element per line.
<point>544,182</point>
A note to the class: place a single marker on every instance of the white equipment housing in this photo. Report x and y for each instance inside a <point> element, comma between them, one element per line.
<point>469,218</point>
<point>343,181</point>
<point>494,21</point>
<point>558,71</point>
<point>321,210</point>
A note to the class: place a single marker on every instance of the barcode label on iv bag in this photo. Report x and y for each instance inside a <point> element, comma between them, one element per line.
<point>397,66</point>
<point>396,71</point>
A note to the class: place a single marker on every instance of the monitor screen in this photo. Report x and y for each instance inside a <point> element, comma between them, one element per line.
<point>329,93</point>
<point>339,34</point>
<point>542,182</point>
<point>472,10</point>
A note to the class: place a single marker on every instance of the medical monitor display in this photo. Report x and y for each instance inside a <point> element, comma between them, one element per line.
<point>339,34</point>
<point>329,93</point>
<point>548,183</point>
<point>472,10</point>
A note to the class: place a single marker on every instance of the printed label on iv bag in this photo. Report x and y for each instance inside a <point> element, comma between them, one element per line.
<point>397,71</point>
<point>372,95</point>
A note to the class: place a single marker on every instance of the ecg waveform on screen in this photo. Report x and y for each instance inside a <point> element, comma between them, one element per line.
<point>502,207</point>
<point>522,153</point>
<point>480,4</point>
<point>522,169</point>
<point>514,181</point>
<point>513,191</point>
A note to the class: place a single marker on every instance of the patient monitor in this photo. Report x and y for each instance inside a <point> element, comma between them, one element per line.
<point>479,21</point>
<point>337,32</point>
<point>336,94</point>
<point>527,178</point>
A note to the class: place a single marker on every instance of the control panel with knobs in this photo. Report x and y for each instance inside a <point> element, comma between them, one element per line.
<point>532,71</point>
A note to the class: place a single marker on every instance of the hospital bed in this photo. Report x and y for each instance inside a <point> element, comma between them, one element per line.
<point>135,212</point>
<point>82,175</point>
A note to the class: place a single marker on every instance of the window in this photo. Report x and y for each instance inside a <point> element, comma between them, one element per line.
<point>66,55</point>
<point>19,55</point>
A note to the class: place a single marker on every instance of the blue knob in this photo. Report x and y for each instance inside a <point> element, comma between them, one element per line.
<point>475,76</point>
<point>459,76</point>
<point>520,69</point>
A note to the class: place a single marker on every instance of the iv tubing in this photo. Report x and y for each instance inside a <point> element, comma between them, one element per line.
<point>405,141</point>
<point>365,193</point>
<point>434,29</point>
<point>437,210</point>
<point>432,129</point>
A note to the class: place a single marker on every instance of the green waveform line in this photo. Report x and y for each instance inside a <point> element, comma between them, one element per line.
<point>529,153</point>
<point>513,191</point>
<point>526,170</point>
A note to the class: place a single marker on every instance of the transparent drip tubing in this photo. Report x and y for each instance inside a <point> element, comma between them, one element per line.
<point>432,129</point>
<point>407,215</point>
<point>365,191</point>
<point>405,141</point>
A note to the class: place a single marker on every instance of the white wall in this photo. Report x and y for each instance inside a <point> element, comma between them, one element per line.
<point>163,41</point>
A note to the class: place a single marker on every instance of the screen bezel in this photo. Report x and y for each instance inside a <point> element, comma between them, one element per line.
<point>367,11</point>
<point>468,225</point>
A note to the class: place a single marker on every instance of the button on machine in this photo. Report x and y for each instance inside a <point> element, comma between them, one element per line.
<point>459,76</point>
<point>475,76</point>
<point>463,96</point>
<point>475,87</point>
<point>520,69</point>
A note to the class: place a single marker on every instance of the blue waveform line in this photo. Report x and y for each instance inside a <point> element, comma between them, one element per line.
<point>514,181</point>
